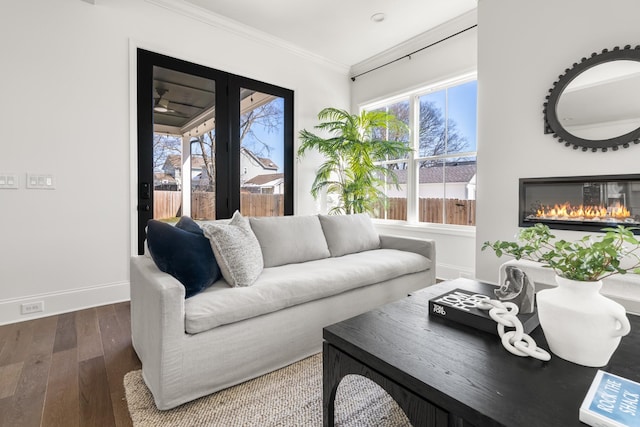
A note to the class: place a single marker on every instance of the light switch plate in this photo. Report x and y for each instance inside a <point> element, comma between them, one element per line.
<point>40,181</point>
<point>9,181</point>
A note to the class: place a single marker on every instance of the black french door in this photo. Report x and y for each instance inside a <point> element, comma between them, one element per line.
<point>210,137</point>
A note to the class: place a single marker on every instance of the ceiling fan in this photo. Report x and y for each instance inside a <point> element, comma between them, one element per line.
<point>162,104</point>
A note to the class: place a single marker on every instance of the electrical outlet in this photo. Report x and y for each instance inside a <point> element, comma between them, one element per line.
<point>32,307</point>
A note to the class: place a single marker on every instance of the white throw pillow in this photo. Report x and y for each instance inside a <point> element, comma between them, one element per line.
<point>290,239</point>
<point>347,234</point>
<point>236,249</point>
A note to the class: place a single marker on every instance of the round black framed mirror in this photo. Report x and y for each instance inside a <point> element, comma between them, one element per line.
<point>595,105</point>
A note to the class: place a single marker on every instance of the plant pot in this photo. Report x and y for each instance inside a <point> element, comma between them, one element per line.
<point>581,325</point>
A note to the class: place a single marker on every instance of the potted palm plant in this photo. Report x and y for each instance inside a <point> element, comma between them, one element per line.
<point>580,324</point>
<point>351,151</point>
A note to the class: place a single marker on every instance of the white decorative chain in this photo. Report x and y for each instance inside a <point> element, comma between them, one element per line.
<point>516,341</point>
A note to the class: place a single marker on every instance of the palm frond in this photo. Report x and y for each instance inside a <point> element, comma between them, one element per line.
<point>350,170</point>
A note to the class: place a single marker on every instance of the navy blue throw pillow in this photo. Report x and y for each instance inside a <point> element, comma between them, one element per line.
<point>187,224</point>
<point>184,252</point>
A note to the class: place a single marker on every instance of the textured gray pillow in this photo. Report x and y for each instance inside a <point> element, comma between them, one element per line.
<point>236,249</point>
<point>290,239</point>
<point>347,234</point>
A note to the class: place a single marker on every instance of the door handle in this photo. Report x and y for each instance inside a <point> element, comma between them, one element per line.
<point>144,191</point>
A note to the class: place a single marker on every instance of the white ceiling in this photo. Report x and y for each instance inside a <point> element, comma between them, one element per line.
<point>340,30</point>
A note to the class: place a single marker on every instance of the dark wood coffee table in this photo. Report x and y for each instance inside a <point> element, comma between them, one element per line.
<point>445,374</point>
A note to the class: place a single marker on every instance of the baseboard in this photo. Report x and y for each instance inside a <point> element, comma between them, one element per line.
<point>64,301</point>
<point>450,272</point>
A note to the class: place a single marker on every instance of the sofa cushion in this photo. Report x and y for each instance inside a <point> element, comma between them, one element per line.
<point>347,234</point>
<point>290,239</point>
<point>184,252</point>
<point>292,284</point>
<point>236,249</point>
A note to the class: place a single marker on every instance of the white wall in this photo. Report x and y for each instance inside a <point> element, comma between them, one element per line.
<point>455,246</point>
<point>522,49</point>
<point>68,109</point>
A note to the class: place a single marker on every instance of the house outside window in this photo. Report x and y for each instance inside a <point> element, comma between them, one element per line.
<point>436,183</point>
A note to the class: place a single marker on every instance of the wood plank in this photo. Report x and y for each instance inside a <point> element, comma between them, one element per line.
<point>17,342</point>
<point>88,334</point>
<point>28,400</point>
<point>40,387</point>
<point>9,376</point>
<point>5,332</point>
<point>119,356</point>
<point>5,404</point>
<point>44,334</point>
<point>61,406</point>
<point>95,399</point>
<point>123,313</point>
<point>66,337</point>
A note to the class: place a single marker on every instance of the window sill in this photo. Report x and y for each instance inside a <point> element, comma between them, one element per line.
<point>445,229</point>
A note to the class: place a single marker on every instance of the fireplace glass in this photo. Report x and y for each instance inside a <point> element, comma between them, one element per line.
<point>587,203</point>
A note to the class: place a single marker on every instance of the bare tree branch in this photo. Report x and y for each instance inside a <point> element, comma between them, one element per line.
<point>269,117</point>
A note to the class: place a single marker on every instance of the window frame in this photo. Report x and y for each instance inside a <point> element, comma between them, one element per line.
<point>227,136</point>
<point>413,160</point>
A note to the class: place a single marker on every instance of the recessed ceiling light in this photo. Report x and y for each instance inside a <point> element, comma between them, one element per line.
<point>378,17</point>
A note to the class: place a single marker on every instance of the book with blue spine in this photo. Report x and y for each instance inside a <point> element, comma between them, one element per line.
<point>612,401</point>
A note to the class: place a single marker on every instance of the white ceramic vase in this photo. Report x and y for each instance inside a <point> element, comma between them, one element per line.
<point>581,325</point>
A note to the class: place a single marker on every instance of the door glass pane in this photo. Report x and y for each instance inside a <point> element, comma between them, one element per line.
<point>183,110</point>
<point>261,154</point>
<point>203,173</point>
<point>167,179</point>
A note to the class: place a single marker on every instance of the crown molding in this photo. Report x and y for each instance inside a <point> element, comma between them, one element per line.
<point>205,16</point>
<point>444,30</point>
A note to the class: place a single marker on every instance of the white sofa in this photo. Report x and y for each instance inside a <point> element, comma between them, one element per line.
<point>225,335</point>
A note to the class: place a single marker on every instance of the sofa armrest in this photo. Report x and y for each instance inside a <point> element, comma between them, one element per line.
<point>424,247</point>
<point>157,317</point>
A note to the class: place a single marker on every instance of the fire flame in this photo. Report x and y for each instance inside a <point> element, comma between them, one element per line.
<point>567,211</point>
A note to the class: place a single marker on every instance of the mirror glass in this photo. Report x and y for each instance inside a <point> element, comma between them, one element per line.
<point>602,102</point>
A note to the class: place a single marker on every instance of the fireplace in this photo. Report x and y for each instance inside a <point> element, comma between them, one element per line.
<point>587,203</point>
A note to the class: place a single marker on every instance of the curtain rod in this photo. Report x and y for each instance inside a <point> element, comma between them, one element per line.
<point>408,55</point>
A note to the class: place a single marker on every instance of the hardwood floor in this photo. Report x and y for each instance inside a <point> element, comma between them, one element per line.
<point>67,370</point>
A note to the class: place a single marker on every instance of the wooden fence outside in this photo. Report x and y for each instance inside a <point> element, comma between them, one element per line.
<point>459,212</point>
<point>203,205</point>
<point>261,204</point>
<point>168,204</point>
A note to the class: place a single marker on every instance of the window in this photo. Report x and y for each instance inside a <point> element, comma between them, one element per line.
<point>437,182</point>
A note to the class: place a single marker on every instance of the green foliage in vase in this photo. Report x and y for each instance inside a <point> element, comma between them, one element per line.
<point>588,259</point>
<point>351,153</point>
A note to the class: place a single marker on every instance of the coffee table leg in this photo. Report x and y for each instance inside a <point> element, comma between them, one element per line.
<point>336,365</point>
<point>331,377</point>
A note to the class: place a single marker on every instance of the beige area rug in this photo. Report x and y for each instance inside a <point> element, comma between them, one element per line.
<point>291,396</point>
